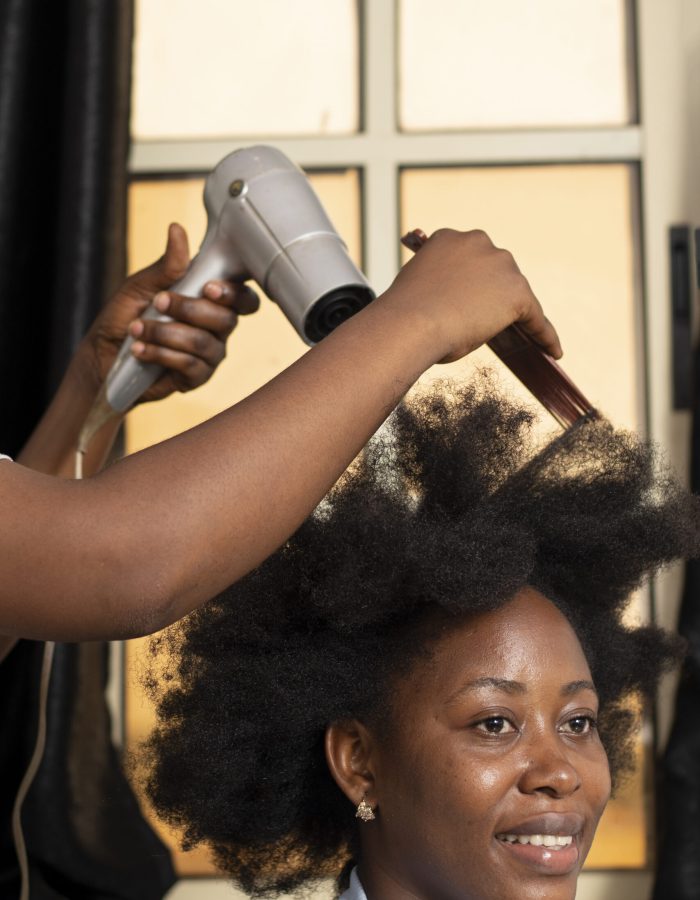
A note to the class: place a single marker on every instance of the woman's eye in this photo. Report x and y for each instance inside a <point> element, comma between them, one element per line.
<point>496,725</point>
<point>579,725</point>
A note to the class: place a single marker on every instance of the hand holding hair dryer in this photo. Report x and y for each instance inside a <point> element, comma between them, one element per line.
<point>266,223</point>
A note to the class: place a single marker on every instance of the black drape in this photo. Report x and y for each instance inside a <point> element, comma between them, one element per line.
<point>64,106</point>
<point>64,100</point>
<point>678,871</point>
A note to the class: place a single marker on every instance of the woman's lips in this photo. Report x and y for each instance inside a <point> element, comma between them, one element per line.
<point>548,843</point>
<point>544,860</point>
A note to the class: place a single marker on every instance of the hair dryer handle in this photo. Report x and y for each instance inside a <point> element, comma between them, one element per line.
<point>129,377</point>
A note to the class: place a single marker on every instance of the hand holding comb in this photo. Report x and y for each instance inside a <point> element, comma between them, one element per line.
<point>540,374</point>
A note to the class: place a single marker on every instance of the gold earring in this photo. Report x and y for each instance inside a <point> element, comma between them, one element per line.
<point>364,810</point>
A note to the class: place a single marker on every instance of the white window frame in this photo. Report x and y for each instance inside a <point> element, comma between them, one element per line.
<point>666,31</point>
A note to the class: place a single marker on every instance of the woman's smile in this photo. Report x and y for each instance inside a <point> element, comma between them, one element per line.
<point>548,843</point>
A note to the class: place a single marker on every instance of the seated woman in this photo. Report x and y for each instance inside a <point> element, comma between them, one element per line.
<point>428,691</point>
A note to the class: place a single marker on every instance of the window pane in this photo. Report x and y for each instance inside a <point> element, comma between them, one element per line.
<point>228,67</point>
<point>261,346</point>
<point>570,230</point>
<point>470,64</point>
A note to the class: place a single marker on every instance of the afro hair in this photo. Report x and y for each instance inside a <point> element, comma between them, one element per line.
<point>450,510</point>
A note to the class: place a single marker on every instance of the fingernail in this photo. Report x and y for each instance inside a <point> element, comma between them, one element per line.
<point>137,348</point>
<point>161,301</point>
<point>136,328</point>
<point>213,290</point>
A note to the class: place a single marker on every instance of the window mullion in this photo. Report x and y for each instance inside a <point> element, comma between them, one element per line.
<point>457,148</point>
<point>379,159</point>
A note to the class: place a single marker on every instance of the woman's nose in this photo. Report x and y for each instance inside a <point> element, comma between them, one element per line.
<point>550,772</point>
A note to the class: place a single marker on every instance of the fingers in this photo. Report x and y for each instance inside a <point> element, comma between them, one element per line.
<point>209,315</point>
<point>239,297</point>
<point>217,311</point>
<point>531,318</point>
<point>540,329</point>
<point>162,342</point>
<point>184,370</point>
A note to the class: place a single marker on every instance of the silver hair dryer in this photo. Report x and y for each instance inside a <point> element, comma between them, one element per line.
<point>266,223</point>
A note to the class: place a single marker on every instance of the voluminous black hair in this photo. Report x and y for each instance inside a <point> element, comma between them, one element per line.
<point>450,511</point>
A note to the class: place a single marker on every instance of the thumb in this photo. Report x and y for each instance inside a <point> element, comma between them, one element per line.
<point>165,271</point>
<point>176,258</point>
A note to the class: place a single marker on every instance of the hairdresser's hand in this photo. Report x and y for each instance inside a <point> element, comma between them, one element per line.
<point>470,291</point>
<point>191,347</point>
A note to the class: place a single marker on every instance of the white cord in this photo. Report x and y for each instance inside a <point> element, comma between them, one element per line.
<point>40,744</point>
<point>32,769</point>
<point>79,457</point>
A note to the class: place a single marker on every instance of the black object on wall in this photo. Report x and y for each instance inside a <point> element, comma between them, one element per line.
<point>64,108</point>
<point>678,870</point>
<point>682,291</point>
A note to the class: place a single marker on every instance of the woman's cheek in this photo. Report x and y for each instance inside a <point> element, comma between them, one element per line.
<point>598,781</point>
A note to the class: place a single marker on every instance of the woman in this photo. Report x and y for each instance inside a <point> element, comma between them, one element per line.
<point>431,684</point>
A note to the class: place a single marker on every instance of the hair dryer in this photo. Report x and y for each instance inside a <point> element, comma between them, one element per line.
<point>266,223</point>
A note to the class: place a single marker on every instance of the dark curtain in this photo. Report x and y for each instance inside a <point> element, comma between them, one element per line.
<point>678,870</point>
<point>64,102</point>
<point>64,106</point>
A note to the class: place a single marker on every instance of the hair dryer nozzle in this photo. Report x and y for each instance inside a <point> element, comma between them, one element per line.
<point>334,308</point>
<point>313,279</point>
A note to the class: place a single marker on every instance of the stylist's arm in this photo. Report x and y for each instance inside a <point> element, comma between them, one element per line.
<point>138,546</point>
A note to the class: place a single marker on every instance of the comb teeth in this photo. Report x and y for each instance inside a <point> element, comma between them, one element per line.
<point>540,374</point>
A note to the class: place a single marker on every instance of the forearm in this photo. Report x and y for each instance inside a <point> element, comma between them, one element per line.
<point>51,446</point>
<point>162,531</point>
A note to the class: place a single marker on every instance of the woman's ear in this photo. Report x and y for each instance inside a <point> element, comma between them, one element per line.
<point>349,757</point>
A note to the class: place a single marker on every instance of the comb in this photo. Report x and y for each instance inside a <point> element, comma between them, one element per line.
<point>541,375</point>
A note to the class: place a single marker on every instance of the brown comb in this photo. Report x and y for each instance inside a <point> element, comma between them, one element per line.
<point>540,374</point>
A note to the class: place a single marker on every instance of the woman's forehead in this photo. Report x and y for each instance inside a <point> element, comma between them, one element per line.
<point>525,643</point>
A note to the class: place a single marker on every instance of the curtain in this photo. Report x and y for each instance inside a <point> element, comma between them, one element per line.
<point>678,870</point>
<point>64,102</point>
<point>64,106</point>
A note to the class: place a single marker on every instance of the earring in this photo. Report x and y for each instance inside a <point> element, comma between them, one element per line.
<point>364,810</point>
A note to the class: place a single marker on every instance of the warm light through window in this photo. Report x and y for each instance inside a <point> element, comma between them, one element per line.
<point>509,63</point>
<point>226,67</point>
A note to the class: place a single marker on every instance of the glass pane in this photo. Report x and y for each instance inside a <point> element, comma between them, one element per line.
<point>261,346</point>
<point>470,64</point>
<point>228,67</point>
<point>571,231</point>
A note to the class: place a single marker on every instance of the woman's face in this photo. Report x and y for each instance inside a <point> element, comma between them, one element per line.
<point>490,778</point>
